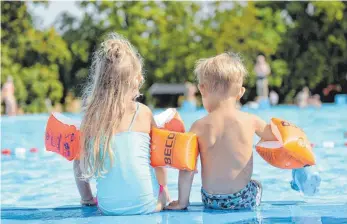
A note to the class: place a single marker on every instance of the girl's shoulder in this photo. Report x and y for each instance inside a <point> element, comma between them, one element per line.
<point>145,113</point>
<point>143,119</point>
<point>144,109</point>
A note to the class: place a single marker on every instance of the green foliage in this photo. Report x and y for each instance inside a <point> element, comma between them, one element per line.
<point>314,49</point>
<point>162,32</point>
<point>31,57</point>
<point>304,42</point>
<point>250,31</point>
<point>170,38</point>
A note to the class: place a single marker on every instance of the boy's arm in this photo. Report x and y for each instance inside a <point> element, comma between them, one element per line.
<point>83,186</point>
<point>263,130</point>
<point>185,180</point>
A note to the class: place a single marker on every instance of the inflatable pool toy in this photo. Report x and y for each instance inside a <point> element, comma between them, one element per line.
<point>170,145</point>
<point>62,136</point>
<point>170,120</point>
<point>292,149</point>
<point>174,149</point>
<point>306,180</point>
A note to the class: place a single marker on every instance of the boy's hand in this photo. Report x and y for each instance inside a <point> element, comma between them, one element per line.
<point>263,130</point>
<point>176,205</point>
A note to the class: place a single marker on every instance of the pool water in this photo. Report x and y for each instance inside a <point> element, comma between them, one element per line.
<point>40,188</point>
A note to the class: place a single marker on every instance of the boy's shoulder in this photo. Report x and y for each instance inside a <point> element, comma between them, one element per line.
<point>205,131</point>
<point>202,126</point>
<point>248,118</point>
<point>247,115</point>
<point>208,124</point>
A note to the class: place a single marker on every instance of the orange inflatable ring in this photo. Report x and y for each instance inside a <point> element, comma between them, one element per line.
<point>170,145</point>
<point>292,150</point>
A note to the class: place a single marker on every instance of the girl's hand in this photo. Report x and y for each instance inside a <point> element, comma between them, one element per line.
<point>90,202</point>
<point>176,205</point>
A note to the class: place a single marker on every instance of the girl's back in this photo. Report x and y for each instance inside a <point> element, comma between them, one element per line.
<point>115,135</point>
<point>130,186</point>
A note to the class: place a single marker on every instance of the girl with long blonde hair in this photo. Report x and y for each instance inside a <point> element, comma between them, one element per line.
<point>115,136</point>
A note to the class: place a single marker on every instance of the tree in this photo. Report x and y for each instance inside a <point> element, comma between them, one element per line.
<point>162,32</point>
<point>31,57</point>
<point>250,31</point>
<point>315,46</point>
<point>171,36</point>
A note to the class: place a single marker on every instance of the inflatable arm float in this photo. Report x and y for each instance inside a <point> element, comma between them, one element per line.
<point>170,145</point>
<point>292,149</point>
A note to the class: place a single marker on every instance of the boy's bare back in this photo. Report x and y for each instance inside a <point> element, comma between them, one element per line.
<point>225,143</point>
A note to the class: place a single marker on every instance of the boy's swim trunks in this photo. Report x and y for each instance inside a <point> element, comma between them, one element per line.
<point>247,198</point>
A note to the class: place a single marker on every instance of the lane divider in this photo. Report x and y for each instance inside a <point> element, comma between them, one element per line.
<point>330,145</point>
<point>19,152</point>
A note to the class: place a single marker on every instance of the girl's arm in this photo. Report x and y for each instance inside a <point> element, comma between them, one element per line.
<point>160,172</point>
<point>83,186</point>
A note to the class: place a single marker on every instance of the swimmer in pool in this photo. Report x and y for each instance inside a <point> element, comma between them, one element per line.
<point>190,102</point>
<point>116,140</point>
<point>302,97</point>
<point>7,94</point>
<point>225,139</point>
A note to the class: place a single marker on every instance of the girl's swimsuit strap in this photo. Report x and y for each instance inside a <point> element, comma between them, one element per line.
<point>136,112</point>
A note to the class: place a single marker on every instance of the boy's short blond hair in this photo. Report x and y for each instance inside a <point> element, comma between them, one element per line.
<point>223,73</point>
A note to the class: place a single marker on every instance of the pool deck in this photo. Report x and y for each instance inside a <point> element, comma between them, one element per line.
<point>269,212</point>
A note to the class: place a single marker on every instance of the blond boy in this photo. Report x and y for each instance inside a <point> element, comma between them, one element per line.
<point>225,139</point>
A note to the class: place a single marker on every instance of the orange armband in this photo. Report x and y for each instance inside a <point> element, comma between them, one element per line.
<point>62,136</point>
<point>174,149</point>
<point>170,120</point>
<point>292,149</point>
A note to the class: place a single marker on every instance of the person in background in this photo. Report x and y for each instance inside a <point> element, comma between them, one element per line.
<point>273,97</point>
<point>330,88</point>
<point>49,106</point>
<point>262,70</point>
<point>315,100</point>
<point>190,101</point>
<point>302,97</point>
<point>7,95</point>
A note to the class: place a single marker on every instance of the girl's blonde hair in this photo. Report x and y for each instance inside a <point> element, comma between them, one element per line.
<point>115,79</point>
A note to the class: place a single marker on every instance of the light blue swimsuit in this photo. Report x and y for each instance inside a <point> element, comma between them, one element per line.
<point>130,186</point>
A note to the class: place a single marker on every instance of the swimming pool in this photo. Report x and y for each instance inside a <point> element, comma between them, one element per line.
<point>40,187</point>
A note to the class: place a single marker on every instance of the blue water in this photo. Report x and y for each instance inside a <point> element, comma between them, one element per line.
<point>41,188</point>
